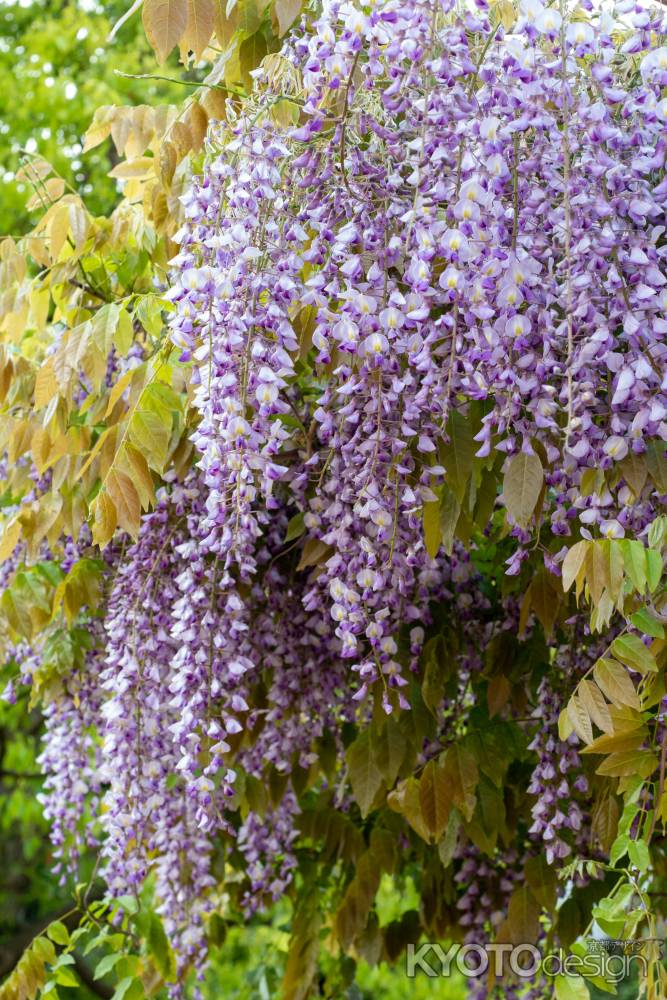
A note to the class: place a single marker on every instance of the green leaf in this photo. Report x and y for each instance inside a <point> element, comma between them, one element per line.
<point>450,511</point>
<point>17,611</point>
<point>437,666</point>
<point>613,559</point>
<point>96,941</point>
<point>463,775</point>
<point>611,912</point>
<point>105,518</point>
<point>542,880</point>
<point>365,776</point>
<point>634,470</point>
<point>571,988</point>
<point>295,527</point>
<point>432,536</point>
<point>104,325</point>
<point>488,820</point>
<point>160,398</point>
<point>123,987</point>
<point>493,749</point>
<point>65,958</point>
<point>634,561</point>
<point>389,748</point>
<point>544,599</point>
<point>44,950</point>
<point>383,849</point>
<point>136,467</point>
<point>457,453</point>
<point>523,916</point>
<point>128,904</point>
<point>596,706</point>
<point>250,15</point>
<point>448,843</point>
<point>405,800</point>
<point>657,463</point>
<point>287,12</point>
<point>160,949</point>
<point>628,762</point>
<point>629,649</point>
<point>106,964</point>
<point>151,436</point>
<point>619,848</point>
<point>657,532</point>
<point>148,311</point>
<point>638,853</point>
<point>645,622</point>
<point>251,53</point>
<point>522,485</point>
<point>598,570</point>
<point>58,932</point>
<point>614,681</point>
<point>434,798</point>
<point>65,977</point>
<point>653,569</point>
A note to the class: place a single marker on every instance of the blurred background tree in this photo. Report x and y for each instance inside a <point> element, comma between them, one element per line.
<point>57,66</point>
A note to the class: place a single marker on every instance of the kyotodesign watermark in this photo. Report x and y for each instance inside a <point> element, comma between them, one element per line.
<point>610,959</point>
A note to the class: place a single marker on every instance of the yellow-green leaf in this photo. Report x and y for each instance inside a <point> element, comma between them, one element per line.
<point>634,562</point>
<point>126,500</point>
<point>199,27</point>
<point>634,470</point>
<point>614,680</point>
<point>578,715</point>
<point>653,569</point>
<point>457,453</point>
<point>522,486</point>
<point>617,742</point>
<point>434,798</point>
<point>462,774</point>
<point>432,527</point>
<point>629,762</point>
<point>365,776</point>
<point>629,649</point>
<point>405,800</point>
<point>105,518</point>
<point>596,706</point>
<point>287,12</point>
<point>151,436</point>
<point>251,53</point>
<point>165,22</point>
<point>573,565</point>
<point>136,467</point>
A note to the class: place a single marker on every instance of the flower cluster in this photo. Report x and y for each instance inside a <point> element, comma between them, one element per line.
<point>557,781</point>
<point>424,232</point>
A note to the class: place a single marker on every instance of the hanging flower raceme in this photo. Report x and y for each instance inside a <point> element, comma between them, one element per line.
<point>422,228</point>
<point>151,820</point>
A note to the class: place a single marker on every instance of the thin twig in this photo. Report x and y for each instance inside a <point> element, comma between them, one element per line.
<point>121,20</point>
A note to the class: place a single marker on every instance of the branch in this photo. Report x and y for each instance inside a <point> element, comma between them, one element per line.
<point>121,20</point>
<point>184,83</point>
<point>11,949</point>
<point>21,775</point>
